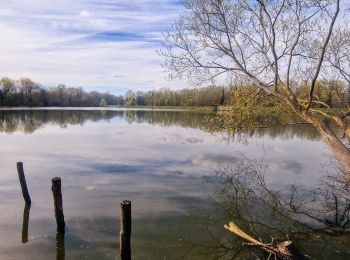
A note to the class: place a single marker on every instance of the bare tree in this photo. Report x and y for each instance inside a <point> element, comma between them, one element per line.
<point>338,56</point>
<point>273,44</point>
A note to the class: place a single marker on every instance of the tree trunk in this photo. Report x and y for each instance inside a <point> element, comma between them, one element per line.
<point>341,152</point>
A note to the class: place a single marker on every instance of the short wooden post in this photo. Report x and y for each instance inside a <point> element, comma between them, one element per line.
<point>22,180</point>
<point>25,223</point>
<point>125,230</point>
<point>57,197</point>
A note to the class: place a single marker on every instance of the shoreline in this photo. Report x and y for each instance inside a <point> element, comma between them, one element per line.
<point>114,108</point>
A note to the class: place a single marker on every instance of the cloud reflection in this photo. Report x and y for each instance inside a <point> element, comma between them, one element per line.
<point>157,159</point>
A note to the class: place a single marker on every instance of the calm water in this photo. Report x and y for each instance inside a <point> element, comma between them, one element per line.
<point>162,161</point>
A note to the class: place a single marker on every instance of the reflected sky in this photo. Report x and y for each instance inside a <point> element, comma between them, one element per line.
<point>156,159</point>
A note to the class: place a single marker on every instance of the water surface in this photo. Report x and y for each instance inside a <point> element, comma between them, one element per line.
<point>160,160</point>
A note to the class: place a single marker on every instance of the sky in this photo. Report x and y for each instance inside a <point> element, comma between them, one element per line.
<point>104,45</point>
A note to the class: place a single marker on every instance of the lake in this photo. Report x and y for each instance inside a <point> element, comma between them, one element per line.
<point>172,165</point>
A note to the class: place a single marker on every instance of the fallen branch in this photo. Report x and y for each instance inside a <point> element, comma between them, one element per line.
<point>284,251</point>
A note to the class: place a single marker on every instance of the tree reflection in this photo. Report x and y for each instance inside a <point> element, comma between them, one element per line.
<point>60,246</point>
<point>28,121</point>
<point>25,224</point>
<point>312,219</point>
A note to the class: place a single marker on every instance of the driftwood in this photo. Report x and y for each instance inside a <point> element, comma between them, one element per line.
<point>283,251</point>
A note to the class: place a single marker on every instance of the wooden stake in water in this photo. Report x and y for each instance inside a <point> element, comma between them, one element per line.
<point>57,197</point>
<point>22,180</point>
<point>125,230</point>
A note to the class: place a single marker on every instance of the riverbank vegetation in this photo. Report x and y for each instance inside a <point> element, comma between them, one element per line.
<point>330,94</point>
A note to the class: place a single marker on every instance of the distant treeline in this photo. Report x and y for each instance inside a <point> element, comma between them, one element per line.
<point>205,96</point>
<point>26,92</point>
<point>328,93</point>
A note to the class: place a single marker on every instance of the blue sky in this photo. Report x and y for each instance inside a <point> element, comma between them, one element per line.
<point>107,45</point>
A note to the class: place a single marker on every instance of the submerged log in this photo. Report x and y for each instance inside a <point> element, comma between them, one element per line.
<point>283,251</point>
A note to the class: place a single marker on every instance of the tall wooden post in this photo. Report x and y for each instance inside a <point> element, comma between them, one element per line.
<point>125,230</point>
<point>57,197</point>
<point>22,180</point>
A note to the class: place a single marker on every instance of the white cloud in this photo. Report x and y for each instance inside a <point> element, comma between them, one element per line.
<point>84,13</point>
<point>52,44</point>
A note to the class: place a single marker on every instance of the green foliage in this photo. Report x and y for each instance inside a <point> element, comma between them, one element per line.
<point>7,84</point>
<point>251,108</point>
<point>205,96</point>
<point>103,103</point>
<point>332,93</point>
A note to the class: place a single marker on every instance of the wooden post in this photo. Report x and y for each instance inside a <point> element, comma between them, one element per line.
<point>25,223</point>
<point>57,197</point>
<point>22,180</point>
<point>125,230</point>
